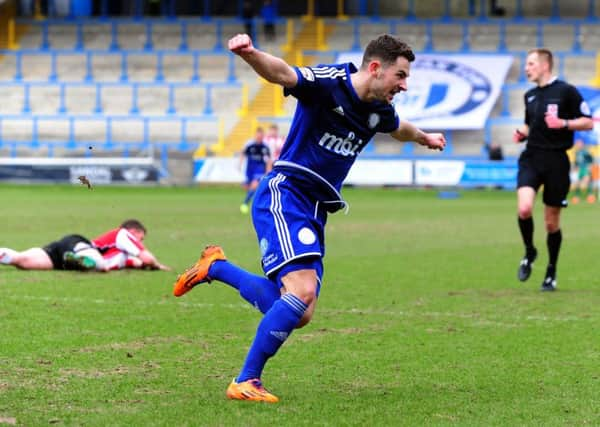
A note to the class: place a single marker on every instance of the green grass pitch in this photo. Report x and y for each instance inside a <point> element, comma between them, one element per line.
<point>421,320</point>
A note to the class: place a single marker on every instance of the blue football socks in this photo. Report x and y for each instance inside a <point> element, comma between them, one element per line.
<point>275,327</point>
<point>257,290</point>
<point>249,195</point>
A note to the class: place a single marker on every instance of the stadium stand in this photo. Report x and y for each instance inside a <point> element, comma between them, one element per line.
<point>167,84</point>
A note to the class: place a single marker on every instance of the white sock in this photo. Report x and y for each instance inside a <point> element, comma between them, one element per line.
<point>7,255</point>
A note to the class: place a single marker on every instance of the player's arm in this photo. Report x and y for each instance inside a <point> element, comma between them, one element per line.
<point>580,123</point>
<point>150,261</point>
<point>408,132</point>
<point>271,68</point>
<point>580,109</point>
<point>268,161</point>
<point>242,160</point>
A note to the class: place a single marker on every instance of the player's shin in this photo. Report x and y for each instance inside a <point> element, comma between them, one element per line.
<point>275,327</point>
<point>259,291</point>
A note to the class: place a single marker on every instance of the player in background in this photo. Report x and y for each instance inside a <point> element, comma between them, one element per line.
<point>582,173</point>
<point>339,110</point>
<point>553,110</point>
<point>120,248</point>
<point>274,141</point>
<point>256,159</point>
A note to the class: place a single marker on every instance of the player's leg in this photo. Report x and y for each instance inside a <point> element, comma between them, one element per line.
<point>553,242</point>
<point>290,231</point>
<point>72,253</point>
<point>576,188</point>
<point>286,314</point>
<point>525,203</point>
<point>81,255</point>
<point>7,256</point>
<point>32,259</point>
<point>252,185</point>
<point>556,189</point>
<point>259,291</point>
<point>586,189</point>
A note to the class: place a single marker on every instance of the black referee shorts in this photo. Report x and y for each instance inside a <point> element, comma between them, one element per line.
<point>547,168</point>
<point>56,250</point>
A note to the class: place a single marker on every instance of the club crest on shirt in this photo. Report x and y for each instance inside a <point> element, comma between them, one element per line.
<point>373,120</point>
<point>552,109</point>
<point>307,74</point>
<point>264,246</point>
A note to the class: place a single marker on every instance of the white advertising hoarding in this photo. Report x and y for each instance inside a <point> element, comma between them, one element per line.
<point>449,91</point>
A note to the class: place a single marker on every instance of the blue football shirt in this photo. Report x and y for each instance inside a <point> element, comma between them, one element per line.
<point>331,125</point>
<point>256,157</point>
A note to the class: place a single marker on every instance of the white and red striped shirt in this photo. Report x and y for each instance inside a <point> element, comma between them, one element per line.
<point>118,240</point>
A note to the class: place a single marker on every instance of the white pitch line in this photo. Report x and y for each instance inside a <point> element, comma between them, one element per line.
<point>351,311</point>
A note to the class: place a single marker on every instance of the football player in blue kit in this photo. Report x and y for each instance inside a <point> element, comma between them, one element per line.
<point>257,157</point>
<point>339,110</point>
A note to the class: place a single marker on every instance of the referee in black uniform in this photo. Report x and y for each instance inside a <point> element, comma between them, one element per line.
<point>553,110</point>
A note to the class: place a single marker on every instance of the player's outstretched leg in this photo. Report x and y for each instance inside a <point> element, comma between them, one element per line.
<point>259,291</point>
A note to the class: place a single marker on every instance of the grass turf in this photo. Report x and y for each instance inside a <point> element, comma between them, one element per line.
<point>421,320</point>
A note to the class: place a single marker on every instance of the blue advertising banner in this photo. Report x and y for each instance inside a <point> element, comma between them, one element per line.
<point>592,97</point>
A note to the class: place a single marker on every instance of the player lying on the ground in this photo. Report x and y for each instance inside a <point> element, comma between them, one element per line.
<point>119,248</point>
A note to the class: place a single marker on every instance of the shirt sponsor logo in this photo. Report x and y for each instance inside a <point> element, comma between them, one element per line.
<point>349,146</point>
<point>269,259</point>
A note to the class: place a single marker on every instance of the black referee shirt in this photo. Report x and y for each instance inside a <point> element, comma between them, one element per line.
<point>561,99</point>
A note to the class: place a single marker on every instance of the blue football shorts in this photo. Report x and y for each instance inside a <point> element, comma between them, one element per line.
<point>289,225</point>
<point>254,176</point>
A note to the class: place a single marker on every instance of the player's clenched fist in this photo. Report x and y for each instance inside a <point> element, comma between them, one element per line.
<point>241,43</point>
<point>435,141</point>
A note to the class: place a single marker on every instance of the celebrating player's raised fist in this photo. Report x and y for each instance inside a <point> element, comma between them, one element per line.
<point>241,43</point>
<point>435,141</point>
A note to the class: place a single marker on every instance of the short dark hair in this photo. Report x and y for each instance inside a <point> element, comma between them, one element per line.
<point>545,54</point>
<point>133,224</point>
<point>386,48</point>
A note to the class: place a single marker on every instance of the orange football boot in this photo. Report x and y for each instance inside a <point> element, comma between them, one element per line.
<point>250,390</point>
<point>198,273</point>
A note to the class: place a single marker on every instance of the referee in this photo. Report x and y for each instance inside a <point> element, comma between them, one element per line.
<point>553,110</point>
